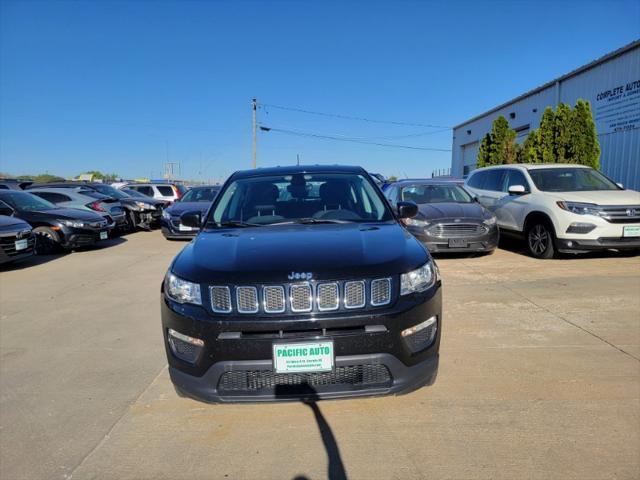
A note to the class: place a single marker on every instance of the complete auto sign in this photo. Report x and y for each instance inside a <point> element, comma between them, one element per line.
<point>618,108</point>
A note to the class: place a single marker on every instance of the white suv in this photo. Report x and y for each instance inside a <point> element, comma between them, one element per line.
<point>559,207</point>
<point>170,192</point>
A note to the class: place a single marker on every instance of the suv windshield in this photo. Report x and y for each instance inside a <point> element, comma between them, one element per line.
<point>200,195</point>
<point>570,180</point>
<point>308,198</point>
<point>26,202</point>
<point>425,193</point>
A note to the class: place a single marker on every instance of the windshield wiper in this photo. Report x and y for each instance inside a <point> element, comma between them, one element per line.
<point>310,220</point>
<point>235,223</point>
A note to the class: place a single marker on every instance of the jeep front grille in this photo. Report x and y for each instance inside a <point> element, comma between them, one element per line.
<point>220,299</point>
<point>327,297</point>
<point>273,298</point>
<point>354,294</point>
<point>302,297</point>
<point>247,299</point>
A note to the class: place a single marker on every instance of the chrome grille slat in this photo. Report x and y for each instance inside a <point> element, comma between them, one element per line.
<point>380,291</point>
<point>327,296</point>
<point>448,230</point>
<point>620,213</point>
<point>247,299</point>
<point>300,297</point>
<point>220,299</point>
<point>273,298</point>
<point>354,294</point>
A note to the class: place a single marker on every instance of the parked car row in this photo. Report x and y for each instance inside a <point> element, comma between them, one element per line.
<point>554,208</point>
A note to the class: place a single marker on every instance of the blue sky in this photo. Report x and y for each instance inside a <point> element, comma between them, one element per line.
<point>122,86</point>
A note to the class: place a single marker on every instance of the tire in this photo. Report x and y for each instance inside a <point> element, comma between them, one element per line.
<point>540,240</point>
<point>47,241</point>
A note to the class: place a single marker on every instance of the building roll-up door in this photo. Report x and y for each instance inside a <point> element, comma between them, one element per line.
<point>469,157</point>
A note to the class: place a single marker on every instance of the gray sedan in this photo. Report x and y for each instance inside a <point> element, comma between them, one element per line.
<point>449,219</point>
<point>85,199</point>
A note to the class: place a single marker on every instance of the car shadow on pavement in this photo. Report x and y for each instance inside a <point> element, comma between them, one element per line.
<point>32,261</point>
<point>309,397</point>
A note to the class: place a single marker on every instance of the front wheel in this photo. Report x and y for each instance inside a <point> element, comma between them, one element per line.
<point>47,241</point>
<point>540,240</point>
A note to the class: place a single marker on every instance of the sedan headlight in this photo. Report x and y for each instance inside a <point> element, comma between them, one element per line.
<point>145,206</point>
<point>166,215</point>
<point>414,222</point>
<point>418,280</point>
<point>181,290</point>
<point>72,223</point>
<point>580,208</point>
<point>490,221</point>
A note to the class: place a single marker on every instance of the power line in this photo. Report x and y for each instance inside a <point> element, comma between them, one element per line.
<point>346,139</point>
<point>349,117</point>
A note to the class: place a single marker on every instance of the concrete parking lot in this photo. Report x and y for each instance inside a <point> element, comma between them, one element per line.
<point>539,378</point>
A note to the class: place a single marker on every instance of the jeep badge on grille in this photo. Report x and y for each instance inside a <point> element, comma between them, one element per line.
<point>300,276</point>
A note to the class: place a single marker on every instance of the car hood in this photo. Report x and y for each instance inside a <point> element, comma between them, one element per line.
<point>9,223</point>
<point>179,208</point>
<point>63,214</point>
<point>435,211</point>
<point>271,254</point>
<point>601,197</point>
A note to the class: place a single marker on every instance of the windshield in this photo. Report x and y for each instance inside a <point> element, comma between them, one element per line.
<point>110,191</point>
<point>200,195</point>
<point>312,197</point>
<point>570,180</point>
<point>26,202</point>
<point>424,193</point>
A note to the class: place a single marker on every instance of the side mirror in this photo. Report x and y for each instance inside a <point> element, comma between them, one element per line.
<point>407,209</point>
<point>6,211</point>
<point>475,199</point>
<point>517,190</point>
<point>191,219</point>
<point>620,185</point>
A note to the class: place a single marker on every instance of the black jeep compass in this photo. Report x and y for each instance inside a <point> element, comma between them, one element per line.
<point>301,283</point>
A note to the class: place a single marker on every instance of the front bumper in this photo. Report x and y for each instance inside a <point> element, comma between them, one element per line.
<point>81,237</point>
<point>605,236</point>
<point>577,245</point>
<point>477,243</point>
<point>365,343</point>
<point>171,232</point>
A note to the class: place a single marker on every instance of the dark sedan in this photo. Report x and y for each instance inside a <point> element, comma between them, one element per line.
<point>197,198</point>
<point>16,238</point>
<point>54,227</point>
<point>449,219</point>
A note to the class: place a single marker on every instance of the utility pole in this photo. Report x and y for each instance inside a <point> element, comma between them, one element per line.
<point>298,158</point>
<point>254,106</point>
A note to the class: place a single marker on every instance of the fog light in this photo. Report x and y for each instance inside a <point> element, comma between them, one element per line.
<point>185,347</point>
<point>578,227</point>
<point>422,335</point>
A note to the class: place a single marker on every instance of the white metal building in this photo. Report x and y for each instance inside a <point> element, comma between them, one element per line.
<point>611,84</point>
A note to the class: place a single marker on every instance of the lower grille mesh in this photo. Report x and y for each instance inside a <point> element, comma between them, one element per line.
<point>370,375</point>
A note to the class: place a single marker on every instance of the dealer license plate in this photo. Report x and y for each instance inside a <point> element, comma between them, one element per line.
<point>184,228</point>
<point>21,244</point>
<point>104,235</point>
<point>631,231</point>
<point>458,243</point>
<point>303,357</point>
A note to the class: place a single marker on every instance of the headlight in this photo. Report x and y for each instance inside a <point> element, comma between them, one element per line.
<point>166,215</point>
<point>490,221</point>
<point>72,223</point>
<point>145,206</point>
<point>580,208</point>
<point>182,291</point>
<point>414,222</point>
<point>418,280</point>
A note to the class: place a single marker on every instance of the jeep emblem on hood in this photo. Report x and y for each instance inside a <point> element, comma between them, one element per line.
<point>300,276</point>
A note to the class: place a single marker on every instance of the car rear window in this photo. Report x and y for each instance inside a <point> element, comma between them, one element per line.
<point>165,190</point>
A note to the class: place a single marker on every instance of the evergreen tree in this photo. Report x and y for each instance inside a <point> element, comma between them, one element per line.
<point>562,133</point>
<point>502,138</point>
<point>530,150</point>
<point>546,136</point>
<point>483,152</point>
<point>585,147</point>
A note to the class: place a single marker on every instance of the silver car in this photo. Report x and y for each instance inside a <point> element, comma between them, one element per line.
<point>85,199</point>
